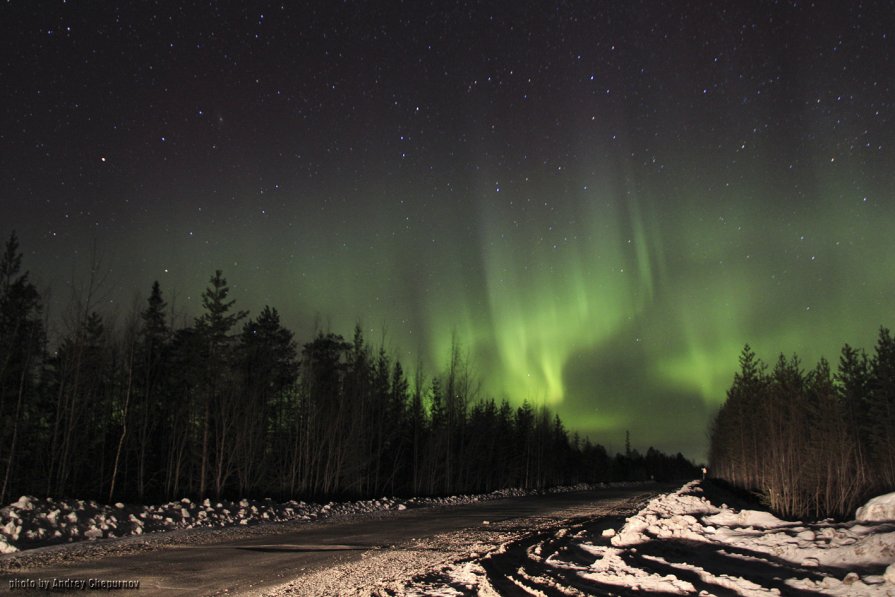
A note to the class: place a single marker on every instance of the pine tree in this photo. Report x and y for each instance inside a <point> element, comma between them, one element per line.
<point>882,407</point>
<point>323,373</point>
<point>22,341</point>
<point>268,364</point>
<point>153,360</point>
<point>525,423</point>
<point>213,328</point>
<point>398,436</point>
<point>854,385</point>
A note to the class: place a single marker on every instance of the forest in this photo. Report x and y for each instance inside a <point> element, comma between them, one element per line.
<point>811,443</point>
<point>140,409</point>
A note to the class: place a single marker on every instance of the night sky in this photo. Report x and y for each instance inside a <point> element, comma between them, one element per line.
<point>604,201</point>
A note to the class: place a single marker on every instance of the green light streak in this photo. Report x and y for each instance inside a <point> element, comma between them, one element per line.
<point>559,298</point>
<point>622,308</point>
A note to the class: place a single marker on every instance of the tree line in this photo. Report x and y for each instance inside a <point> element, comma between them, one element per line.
<point>813,443</point>
<point>233,405</point>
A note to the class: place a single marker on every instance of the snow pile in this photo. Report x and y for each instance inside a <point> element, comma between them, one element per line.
<point>881,507</point>
<point>454,500</point>
<point>680,543</point>
<point>33,522</point>
<point>472,498</point>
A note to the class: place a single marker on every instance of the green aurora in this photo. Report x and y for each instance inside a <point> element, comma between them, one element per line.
<point>602,203</point>
<point>620,306</point>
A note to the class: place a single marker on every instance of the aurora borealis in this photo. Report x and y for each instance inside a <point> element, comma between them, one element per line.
<point>603,202</point>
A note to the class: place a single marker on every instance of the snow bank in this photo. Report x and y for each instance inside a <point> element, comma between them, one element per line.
<point>881,507</point>
<point>856,558</point>
<point>682,544</point>
<point>31,522</point>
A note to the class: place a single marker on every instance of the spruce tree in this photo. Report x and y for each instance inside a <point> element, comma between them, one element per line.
<point>882,406</point>
<point>853,385</point>
<point>22,342</point>
<point>151,368</point>
<point>268,364</point>
<point>213,328</point>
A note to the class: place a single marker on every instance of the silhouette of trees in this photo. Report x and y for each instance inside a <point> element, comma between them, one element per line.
<point>811,443</point>
<point>152,362</point>
<point>267,362</point>
<point>229,404</point>
<point>22,343</point>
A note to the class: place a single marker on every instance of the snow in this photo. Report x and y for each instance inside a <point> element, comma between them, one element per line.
<point>31,522</point>
<point>680,543</point>
<point>881,507</point>
<point>23,503</point>
<point>5,547</point>
<point>849,558</point>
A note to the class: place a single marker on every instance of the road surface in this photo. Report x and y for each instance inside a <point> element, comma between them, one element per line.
<point>360,554</point>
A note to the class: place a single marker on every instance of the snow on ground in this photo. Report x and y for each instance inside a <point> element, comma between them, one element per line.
<point>31,522</point>
<point>450,563</point>
<point>679,543</point>
<point>682,544</point>
<point>881,507</point>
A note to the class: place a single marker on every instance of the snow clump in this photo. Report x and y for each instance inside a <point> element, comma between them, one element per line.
<point>31,522</point>
<point>882,507</point>
<point>851,558</point>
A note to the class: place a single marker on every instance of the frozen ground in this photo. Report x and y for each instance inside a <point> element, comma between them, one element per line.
<point>681,543</point>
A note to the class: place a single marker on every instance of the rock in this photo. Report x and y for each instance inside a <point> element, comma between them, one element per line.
<point>851,578</point>
<point>608,533</point>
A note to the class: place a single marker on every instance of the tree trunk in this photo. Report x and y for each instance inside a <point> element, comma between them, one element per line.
<point>127,399</point>
<point>15,430</point>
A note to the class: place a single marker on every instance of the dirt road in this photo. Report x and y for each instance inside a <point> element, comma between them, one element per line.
<point>360,555</point>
